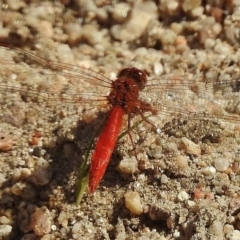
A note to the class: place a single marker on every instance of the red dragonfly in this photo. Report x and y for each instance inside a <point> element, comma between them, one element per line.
<point>131,94</point>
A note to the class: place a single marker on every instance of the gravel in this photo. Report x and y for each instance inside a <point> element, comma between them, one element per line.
<point>186,182</point>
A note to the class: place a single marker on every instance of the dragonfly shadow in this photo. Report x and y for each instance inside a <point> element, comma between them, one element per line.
<point>69,155</point>
<point>53,182</point>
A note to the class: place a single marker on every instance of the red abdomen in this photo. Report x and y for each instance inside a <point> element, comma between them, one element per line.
<point>104,147</point>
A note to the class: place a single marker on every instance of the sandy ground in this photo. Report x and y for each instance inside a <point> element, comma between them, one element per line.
<point>185,184</point>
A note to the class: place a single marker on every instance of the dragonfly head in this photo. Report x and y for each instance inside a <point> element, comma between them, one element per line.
<point>137,75</point>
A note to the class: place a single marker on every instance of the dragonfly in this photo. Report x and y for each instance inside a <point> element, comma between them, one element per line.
<point>131,93</point>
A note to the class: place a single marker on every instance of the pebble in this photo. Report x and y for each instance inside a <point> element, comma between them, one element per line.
<point>189,5</point>
<point>136,17</point>
<point>209,171</point>
<point>216,229</point>
<point>92,34</point>
<point>6,144</point>
<point>221,164</point>
<point>176,234</point>
<point>190,147</point>
<point>141,15</point>
<point>4,220</point>
<point>197,12</point>
<point>128,166</point>
<point>181,163</point>
<point>190,203</point>
<point>209,43</point>
<point>223,48</point>
<point>164,179</point>
<point>41,176</point>
<point>235,235</point>
<point>65,53</point>
<point>182,196</point>
<point>75,33</point>
<point>5,230</point>
<point>120,12</point>
<point>228,229</point>
<point>133,202</point>
<point>40,221</point>
<point>76,227</point>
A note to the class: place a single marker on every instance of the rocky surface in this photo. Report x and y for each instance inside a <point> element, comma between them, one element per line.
<point>186,182</point>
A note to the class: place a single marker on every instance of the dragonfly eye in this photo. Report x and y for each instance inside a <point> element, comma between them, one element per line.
<point>139,76</point>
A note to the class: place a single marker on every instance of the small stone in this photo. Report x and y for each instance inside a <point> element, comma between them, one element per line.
<point>235,235</point>
<point>18,188</point>
<point>74,31</point>
<point>228,229</point>
<point>182,196</point>
<point>76,227</point>
<point>221,164</point>
<point>92,34</point>
<point>181,163</point>
<point>216,229</point>
<point>133,202</point>
<point>189,5</point>
<point>142,13</point>
<point>197,12</point>
<point>4,220</point>
<point>176,234</point>
<point>190,147</point>
<point>223,48</point>
<point>120,12</point>
<point>209,171</point>
<point>128,166</point>
<point>16,174</point>
<point>164,179</point>
<point>209,43</point>
<point>25,173</point>
<point>40,221</point>
<point>5,230</point>
<point>6,144</point>
<point>190,203</point>
<point>41,176</point>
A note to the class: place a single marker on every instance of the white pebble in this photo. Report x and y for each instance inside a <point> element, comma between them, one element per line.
<point>209,171</point>
<point>235,235</point>
<point>133,202</point>
<point>182,196</point>
<point>164,179</point>
<point>190,203</point>
<point>158,68</point>
<point>221,164</point>
<point>176,234</point>
<point>5,230</point>
<point>128,166</point>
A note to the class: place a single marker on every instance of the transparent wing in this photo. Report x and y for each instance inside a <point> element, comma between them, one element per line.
<point>49,81</point>
<point>193,98</point>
